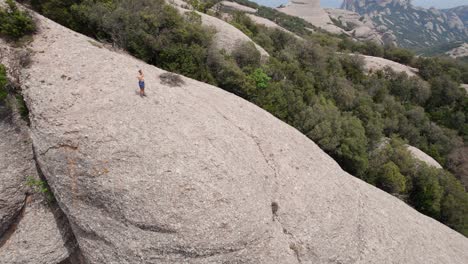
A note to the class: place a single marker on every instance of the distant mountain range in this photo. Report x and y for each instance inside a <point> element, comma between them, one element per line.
<point>414,27</point>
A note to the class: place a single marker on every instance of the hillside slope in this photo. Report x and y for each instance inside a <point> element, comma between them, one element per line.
<point>414,27</point>
<point>193,174</point>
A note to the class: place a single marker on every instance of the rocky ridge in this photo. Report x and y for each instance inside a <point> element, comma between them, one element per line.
<point>361,27</point>
<point>338,21</point>
<point>461,51</point>
<point>414,27</point>
<point>193,174</point>
<point>310,11</point>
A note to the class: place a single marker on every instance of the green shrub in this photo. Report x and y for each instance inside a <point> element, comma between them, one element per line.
<point>22,108</point>
<point>15,23</point>
<point>426,194</point>
<point>259,78</point>
<point>41,187</point>
<point>390,178</point>
<point>400,55</point>
<point>247,55</point>
<point>3,83</point>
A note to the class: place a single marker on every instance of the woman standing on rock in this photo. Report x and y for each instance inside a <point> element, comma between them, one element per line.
<point>141,82</point>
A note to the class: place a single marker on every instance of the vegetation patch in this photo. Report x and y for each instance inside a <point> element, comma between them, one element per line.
<point>40,187</point>
<point>15,23</point>
<point>171,79</point>
<point>3,84</point>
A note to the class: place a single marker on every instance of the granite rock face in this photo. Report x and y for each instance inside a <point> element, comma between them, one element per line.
<point>194,174</point>
<point>310,11</point>
<point>32,230</point>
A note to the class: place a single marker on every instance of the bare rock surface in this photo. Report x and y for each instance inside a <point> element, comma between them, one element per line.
<point>194,174</point>
<point>15,165</point>
<point>41,236</point>
<point>373,64</point>
<point>268,23</point>
<point>361,27</point>
<point>422,156</point>
<point>461,51</point>
<point>412,26</point>
<point>310,11</point>
<point>233,6</point>
<point>31,230</point>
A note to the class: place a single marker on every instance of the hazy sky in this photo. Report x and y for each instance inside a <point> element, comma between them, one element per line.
<point>337,3</point>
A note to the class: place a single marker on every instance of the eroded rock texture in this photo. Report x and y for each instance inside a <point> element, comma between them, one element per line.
<point>194,174</point>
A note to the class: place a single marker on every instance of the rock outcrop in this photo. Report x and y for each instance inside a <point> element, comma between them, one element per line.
<point>414,27</point>
<point>310,11</point>
<point>339,21</point>
<point>228,6</point>
<point>372,64</point>
<point>461,12</point>
<point>361,27</point>
<point>194,174</point>
<point>31,230</point>
<point>227,37</point>
<point>461,51</point>
<point>268,23</point>
<point>422,156</point>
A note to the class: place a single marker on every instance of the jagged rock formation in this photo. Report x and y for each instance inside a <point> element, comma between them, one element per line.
<point>361,27</point>
<point>414,27</point>
<point>310,11</point>
<point>461,12</point>
<point>338,21</point>
<point>194,174</point>
<point>461,51</point>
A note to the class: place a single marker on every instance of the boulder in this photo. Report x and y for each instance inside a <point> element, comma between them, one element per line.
<point>193,174</point>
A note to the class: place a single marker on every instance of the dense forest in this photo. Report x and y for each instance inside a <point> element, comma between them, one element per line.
<point>315,83</point>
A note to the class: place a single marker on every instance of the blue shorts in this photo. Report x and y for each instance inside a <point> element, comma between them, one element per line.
<point>141,84</point>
